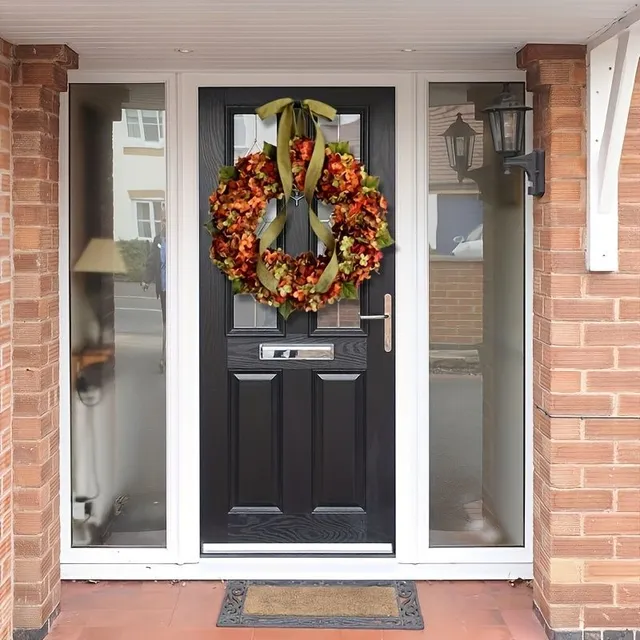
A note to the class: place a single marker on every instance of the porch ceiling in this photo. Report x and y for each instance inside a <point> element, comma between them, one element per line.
<point>294,34</point>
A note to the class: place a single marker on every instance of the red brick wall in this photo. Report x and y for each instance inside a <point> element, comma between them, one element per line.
<point>6,515</point>
<point>586,369</point>
<point>455,302</point>
<point>39,77</point>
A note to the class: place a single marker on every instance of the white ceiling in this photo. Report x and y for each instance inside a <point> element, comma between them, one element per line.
<point>296,34</point>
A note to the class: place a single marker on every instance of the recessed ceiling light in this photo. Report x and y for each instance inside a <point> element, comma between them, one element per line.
<point>407,50</point>
<point>184,50</point>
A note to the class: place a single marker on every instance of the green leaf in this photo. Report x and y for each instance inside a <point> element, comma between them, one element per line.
<point>371,182</point>
<point>210,227</point>
<point>270,150</point>
<point>227,173</point>
<point>285,309</point>
<point>236,286</point>
<point>341,147</point>
<point>349,291</point>
<point>384,238</point>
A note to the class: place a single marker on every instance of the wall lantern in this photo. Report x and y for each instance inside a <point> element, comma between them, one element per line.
<point>460,139</point>
<point>507,124</point>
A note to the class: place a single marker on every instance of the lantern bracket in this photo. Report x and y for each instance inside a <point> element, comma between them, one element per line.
<point>533,165</point>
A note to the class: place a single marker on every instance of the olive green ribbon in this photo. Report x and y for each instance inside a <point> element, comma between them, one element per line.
<point>291,124</point>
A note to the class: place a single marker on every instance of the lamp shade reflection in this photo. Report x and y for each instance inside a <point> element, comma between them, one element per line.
<point>101,255</point>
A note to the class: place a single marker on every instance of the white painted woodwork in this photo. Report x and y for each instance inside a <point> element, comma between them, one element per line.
<point>612,68</point>
<point>327,35</point>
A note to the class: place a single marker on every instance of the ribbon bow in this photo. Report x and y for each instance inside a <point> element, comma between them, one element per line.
<point>291,124</point>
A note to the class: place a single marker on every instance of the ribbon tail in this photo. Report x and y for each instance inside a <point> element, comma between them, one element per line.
<point>283,157</point>
<point>314,170</point>
<point>328,275</point>
<point>268,237</point>
<point>326,237</point>
<point>314,173</point>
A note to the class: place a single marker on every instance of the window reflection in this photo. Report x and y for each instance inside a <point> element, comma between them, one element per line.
<point>476,319</point>
<point>118,285</point>
<point>344,314</point>
<point>249,135</point>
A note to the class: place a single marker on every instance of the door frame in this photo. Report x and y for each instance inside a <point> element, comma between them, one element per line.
<point>406,327</point>
<point>181,559</point>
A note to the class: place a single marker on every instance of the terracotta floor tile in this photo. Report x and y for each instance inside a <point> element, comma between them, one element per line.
<point>453,631</point>
<point>523,625</point>
<point>297,634</point>
<point>481,618</point>
<point>101,633</point>
<point>197,606</point>
<point>64,633</point>
<point>129,599</point>
<point>360,634</point>
<point>189,611</point>
<point>100,618</point>
<point>490,633</point>
<point>187,634</point>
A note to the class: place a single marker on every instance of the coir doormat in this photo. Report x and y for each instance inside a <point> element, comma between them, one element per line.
<point>328,605</point>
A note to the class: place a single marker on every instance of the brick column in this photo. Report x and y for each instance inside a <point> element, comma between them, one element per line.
<point>6,507</point>
<point>40,75</point>
<point>586,373</point>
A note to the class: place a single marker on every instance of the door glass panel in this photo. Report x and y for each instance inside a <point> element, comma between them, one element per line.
<point>118,291</point>
<point>249,134</point>
<point>346,313</point>
<point>476,325</point>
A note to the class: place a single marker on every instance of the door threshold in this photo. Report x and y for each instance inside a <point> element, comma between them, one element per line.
<point>294,548</point>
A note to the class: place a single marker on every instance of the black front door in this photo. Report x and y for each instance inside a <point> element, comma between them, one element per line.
<point>296,450</point>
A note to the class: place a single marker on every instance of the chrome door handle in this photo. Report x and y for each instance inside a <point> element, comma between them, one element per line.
<point>388,322</point>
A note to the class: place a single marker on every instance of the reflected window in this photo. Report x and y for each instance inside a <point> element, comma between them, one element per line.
<point>345,314</point>
<point>249,135</point>
<point>145,124</point>
<point>476,328</point>
<point>149,215</point>
<point>118,291</point>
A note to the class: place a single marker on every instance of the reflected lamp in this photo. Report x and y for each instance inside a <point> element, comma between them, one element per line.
<point>90,366</point>
<point>460,140</point>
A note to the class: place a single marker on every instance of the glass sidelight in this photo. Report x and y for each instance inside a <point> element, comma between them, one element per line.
<point>118,277</point>
<point>476,232</point>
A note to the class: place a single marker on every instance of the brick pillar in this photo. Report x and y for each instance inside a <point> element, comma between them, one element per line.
<point>6,507</point>
<point>586,375</point>
<point>40,75</point>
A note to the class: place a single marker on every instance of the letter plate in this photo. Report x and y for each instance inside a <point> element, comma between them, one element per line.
<point>296,352</point>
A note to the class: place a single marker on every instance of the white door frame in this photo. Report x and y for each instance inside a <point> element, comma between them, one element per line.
<point>181,559</point>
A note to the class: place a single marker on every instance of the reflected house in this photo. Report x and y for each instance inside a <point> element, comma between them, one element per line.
<point>139,168</point>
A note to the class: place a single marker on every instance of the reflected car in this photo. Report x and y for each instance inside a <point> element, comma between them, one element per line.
<point>470,247</point>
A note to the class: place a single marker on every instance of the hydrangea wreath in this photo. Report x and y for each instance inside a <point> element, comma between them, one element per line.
<point>329,172</point>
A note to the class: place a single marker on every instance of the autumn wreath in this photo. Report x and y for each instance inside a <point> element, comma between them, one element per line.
<point>299,164</point>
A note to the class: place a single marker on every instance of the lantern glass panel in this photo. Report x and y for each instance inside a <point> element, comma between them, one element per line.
<point>495,124</point>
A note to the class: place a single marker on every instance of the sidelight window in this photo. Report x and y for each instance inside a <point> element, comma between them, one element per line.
<point>476,233</point>
<point>117,327</point>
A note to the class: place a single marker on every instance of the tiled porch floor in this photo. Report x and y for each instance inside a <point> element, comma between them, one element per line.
<point>188,611</point>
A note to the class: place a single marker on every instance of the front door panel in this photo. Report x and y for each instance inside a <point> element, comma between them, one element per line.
<point>295,448</point>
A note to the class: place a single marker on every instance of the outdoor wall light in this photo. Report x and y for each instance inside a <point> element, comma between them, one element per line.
<point>460,139</point>
<point>507,124</point>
